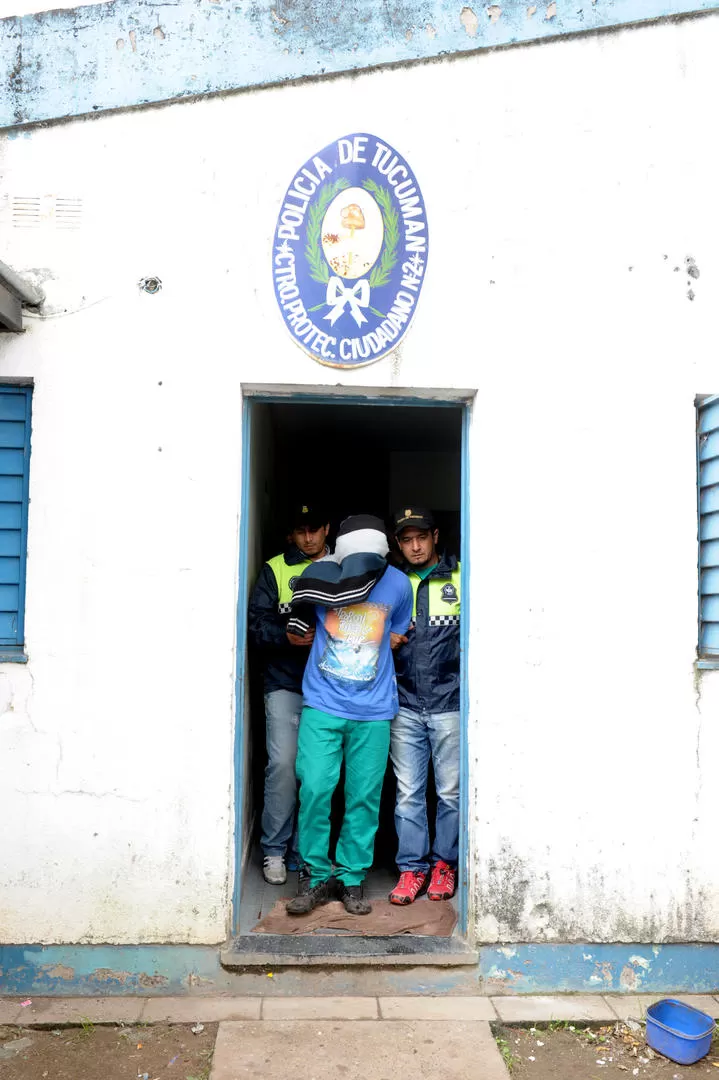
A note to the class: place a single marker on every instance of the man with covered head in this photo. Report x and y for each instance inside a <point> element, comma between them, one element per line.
<point>355,602</point>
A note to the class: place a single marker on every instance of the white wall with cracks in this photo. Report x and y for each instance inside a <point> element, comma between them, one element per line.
<point>566,185</point>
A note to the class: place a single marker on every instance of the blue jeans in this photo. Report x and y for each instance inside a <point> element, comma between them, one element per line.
<point>282,717</point>
<point>414,737</point>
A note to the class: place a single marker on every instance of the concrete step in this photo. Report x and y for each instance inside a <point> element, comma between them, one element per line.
<point>372,1049</point>
<point>330,950</point>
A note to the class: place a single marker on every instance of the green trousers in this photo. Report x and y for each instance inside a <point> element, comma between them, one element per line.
<point>323,741</point>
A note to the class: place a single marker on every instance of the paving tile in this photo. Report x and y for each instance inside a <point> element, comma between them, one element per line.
<point>630,1006</point>
<point>320,1008</point>
<point>187,1010</point>
<point>98,1010</point>
<point>544,1009</point>
<point>9,1010</point>
<point>436,1008</point>
<point>454,1050</point>
<point>636,1005</point>
<point>706,1002</point>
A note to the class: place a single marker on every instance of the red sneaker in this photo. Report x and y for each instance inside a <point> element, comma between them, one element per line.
<point>406,889</point>
<point>442,882</point>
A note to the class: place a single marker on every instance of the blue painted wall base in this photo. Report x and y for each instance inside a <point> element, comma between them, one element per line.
<point>105,970</point>
<point>599,969</point>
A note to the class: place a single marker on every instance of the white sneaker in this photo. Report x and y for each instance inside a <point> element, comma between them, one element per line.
<point>274,870</point>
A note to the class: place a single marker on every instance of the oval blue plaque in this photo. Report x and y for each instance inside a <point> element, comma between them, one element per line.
<point>350,252</point>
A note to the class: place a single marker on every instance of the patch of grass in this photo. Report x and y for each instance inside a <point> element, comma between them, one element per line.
<point>204,1073</point>
<point>509,1059</point>
<point>87,1027</point>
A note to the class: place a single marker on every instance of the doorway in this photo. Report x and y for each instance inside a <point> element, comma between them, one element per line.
<point>351,455</point>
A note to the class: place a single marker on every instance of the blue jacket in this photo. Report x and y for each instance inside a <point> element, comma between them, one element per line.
<point>428,665</point>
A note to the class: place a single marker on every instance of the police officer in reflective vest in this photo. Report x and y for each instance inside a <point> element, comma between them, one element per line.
<point>284,657</point>
<point>427,724</point>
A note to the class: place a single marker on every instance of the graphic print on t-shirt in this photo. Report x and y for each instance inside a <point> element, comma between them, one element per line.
<point>354,635</point>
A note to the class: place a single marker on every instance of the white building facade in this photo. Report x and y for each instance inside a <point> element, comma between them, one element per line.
<point>566,308</point>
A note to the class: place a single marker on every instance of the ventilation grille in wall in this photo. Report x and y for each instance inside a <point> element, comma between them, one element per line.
<point>41,211</point>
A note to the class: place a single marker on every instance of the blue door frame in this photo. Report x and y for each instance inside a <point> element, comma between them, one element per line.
<point>314,398</point>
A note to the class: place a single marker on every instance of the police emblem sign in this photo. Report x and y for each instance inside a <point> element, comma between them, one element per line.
<point>350,252</point>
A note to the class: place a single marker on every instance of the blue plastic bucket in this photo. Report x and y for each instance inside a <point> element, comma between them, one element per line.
<point>679,1031</point>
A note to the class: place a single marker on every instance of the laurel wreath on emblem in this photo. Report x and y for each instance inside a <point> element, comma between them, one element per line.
<point>319,270</point>
<point>390,219</point>
<point>382,269</point>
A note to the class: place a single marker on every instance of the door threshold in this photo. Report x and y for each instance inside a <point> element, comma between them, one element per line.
<point>328,950</point>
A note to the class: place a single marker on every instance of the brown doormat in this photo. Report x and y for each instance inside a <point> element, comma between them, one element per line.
<point>433,917</point>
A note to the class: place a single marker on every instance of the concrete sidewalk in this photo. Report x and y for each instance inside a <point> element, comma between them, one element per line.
<point>368,1037</point>
<point>53,1011</point>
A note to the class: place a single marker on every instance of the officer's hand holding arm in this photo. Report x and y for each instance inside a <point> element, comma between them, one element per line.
<point>396,640</point>
<point>295,639</point>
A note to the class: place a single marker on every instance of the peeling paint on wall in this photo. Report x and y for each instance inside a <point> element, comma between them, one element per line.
<point>469,21</point>
<point>536,969</point>
<point>59,971</point>
<point>525,969</point>
<point>76,61</point>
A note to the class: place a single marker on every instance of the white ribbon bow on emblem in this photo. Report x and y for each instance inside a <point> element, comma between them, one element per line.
<point>338,295</point>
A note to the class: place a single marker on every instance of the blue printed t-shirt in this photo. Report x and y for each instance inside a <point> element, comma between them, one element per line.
<point>350,672</point>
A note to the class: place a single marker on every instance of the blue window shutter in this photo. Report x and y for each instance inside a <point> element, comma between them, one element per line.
<point>708,470</point>
<point>15,403</point>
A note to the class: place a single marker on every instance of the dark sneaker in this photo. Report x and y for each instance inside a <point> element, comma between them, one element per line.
<point>353,900</point>
<point>308,897</point>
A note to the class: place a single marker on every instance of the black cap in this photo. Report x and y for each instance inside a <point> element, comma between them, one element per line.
<point>360,521</point>
<point>417,518</point>
<point>309,513</point>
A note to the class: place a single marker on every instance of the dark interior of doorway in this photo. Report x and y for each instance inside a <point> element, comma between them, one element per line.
<point>350,458</point>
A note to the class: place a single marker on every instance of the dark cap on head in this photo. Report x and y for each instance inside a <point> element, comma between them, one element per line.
<point>360,521</point>
<point>417,518</point>
<point>309,513</point>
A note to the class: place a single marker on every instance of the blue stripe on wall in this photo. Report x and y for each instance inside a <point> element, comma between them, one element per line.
<point>105,969</point>
<point>131,52</point>
<point>600,969</point>
<point>517,969</point>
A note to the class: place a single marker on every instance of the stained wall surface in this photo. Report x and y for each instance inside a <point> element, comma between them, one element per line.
<point>81,59</point>
<point>566,186</point>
